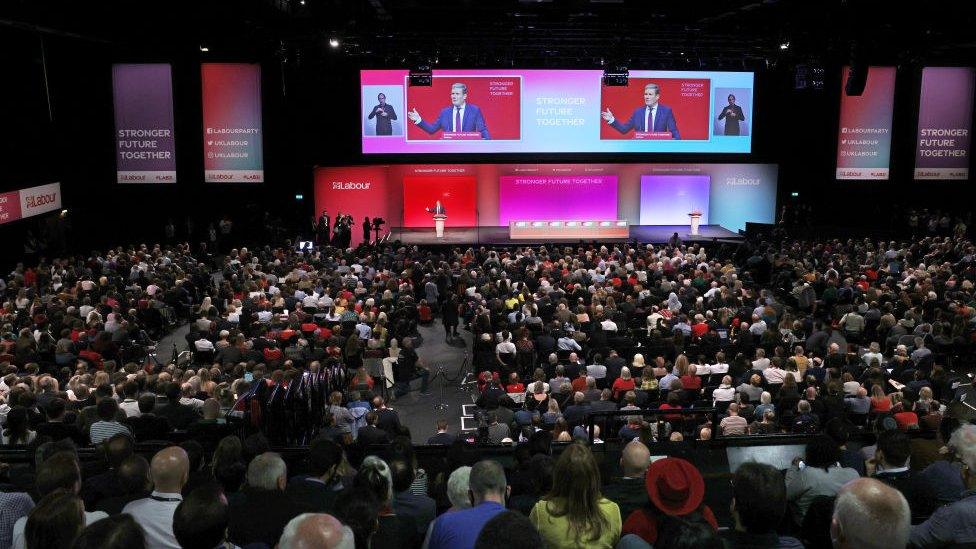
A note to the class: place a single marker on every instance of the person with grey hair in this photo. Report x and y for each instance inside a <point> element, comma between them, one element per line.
<point>488,489</point>
<point>954,524</point>
<point>869,514</point>
<point>649,117</point>
<point>458,485</point>
<point>316,530</point>
<point>460,117</point>
<point>260,511</point>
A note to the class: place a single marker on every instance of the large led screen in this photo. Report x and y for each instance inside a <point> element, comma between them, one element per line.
<point>533,111</point>
<point>668,199</point>
<point>455,193</point>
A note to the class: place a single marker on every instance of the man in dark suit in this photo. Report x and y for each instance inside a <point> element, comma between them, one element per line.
<point>732,114</point>
<point>651,117</point>
<point>442,438</point>
<point>180,416</point>
<point>147,425</point>
<point>384,114</point>
<point>891,467</point>
<point>459,117</point>
<point>628,491</point>
<point>317,492</point>
<point>370,434</point>
<point>259,512</point>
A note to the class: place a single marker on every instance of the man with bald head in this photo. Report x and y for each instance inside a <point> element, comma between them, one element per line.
<point>628,490</point>
<point>869,514</point>
<point>316,531</point>
<point>170,469</point>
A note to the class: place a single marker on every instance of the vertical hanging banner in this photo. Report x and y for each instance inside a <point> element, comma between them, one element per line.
<point>145,148</point>
<point>945,120</point>
<point>864,140</point>
<point>232,134</point>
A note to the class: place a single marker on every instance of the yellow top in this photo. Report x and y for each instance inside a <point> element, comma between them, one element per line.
<point>558,535</point>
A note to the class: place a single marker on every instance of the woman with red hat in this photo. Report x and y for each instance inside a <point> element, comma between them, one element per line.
<point>675,488</point>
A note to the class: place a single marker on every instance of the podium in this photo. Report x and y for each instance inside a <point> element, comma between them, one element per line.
<point>439,224</point>
<point>695,218</point>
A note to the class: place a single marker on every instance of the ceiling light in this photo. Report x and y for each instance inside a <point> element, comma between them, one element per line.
<point>204,48</point>
<point>334,42</point>
<point>784,46</point>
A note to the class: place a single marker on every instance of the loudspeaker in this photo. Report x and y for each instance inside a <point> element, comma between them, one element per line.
<point>857,77</point>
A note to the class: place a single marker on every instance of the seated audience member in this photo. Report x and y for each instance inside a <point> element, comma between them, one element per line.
<point>108,484</point>
<point>147,425</point>
<point>675,489</point>
<point>628,490</point>
<point>954,524</point>
<point>56,521</point>
<point>170,469</point>
<point>870,515</point>
<point>115,532</point>
<point>733,424</point>
<point>757,507</point>
<point>58,473</point>
<point>816,474</point>
<point>394,531</point>
<point>107,426</point>
<point>442,438</point>
<point>420,507</point>
<point>574,512</point>
<point>317,491</point>
<point>200,520</point>
<point>260,511</point>
<point>461,529</point>
<point>134,479</point>
<point>316,530</point>
<point>510,530</point>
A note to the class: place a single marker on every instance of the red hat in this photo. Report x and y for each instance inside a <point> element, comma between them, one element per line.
<point>674,486</point>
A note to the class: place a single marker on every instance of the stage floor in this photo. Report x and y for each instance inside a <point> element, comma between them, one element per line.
<point>653,234</point>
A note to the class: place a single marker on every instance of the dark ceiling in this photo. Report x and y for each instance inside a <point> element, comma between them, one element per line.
<point>526,33</point>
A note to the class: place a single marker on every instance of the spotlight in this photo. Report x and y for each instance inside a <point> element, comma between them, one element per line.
<point>301,2</point>
<point>334,42</point>
<point>204,48</point>
<point>784,46</point>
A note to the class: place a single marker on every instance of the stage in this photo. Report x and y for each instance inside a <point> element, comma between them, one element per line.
<point>653,234</point>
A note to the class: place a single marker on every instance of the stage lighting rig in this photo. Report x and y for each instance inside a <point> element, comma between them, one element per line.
<point>421,75</point>
<point>616,75</point>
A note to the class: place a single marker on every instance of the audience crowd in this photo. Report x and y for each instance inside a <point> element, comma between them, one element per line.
<point>846,344</point>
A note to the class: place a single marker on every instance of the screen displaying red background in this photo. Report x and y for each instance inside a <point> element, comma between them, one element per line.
<point>569,197</point>
<point>691,111</point>
<point>457,194</point>
<point>502,113</point>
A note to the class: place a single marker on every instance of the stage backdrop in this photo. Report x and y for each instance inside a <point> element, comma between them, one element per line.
<point>456,193</point>
<point>572,198</point>
<point>738,193</point>
<point>359,191</point>
<point>668,199</point>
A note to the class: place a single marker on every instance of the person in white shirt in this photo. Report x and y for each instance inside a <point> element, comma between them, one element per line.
<point>761,362</point>
<point>203,344</point>
<point>775,374</point>
<point>130,404</point>
<point>170,468</point>
<point>724,392</point>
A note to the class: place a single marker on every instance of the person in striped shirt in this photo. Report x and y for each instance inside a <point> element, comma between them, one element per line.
<point>107,426</point>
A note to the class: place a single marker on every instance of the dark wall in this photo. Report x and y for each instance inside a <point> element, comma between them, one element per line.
<point>311,118</point>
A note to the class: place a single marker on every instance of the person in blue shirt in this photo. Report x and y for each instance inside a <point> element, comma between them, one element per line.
<point>460,529</point>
